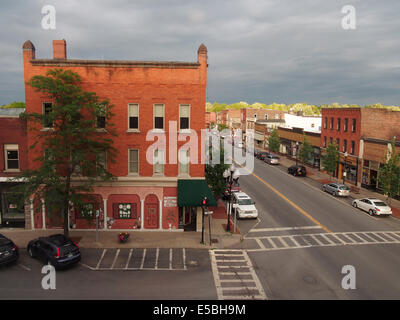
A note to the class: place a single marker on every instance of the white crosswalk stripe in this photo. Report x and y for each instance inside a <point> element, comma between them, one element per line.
<point>124,260</point>
<point>298,241</point>
<point>236,278</point>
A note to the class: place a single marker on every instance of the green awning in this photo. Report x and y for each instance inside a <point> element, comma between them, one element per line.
<point>192,192</point>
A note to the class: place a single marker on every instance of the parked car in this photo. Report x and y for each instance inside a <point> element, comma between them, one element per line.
<point>244,206</point>
<point>337,189</point>
<point>297,170</point>
<point>261,155</point>
<point>372,206</point>
<point>57,250</point>
<point>271,159</point>
<point>8,251</point>
<point>235,188</point>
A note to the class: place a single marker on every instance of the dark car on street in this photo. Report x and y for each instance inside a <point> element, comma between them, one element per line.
<point>56,250</point>
<point>261,155</point>
<point>297,170</point>
<point>8,251</point>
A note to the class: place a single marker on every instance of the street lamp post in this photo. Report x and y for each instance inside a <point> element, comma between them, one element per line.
<point>297,150</point>
<point>230,175</point>
<point>344,167</point>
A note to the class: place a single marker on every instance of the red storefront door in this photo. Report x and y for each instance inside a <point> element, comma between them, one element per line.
<point>151,212</point>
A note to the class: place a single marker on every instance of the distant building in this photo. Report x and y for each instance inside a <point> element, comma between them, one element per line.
<point>13,160</point>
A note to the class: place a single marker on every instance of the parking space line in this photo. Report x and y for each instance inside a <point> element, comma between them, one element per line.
<point>184,258</point>
<point>272,242</point>
<point>101,259</point>
<point>294,241</point>
<point>144,256</point>
<point>285,229</point>
<point>115,259</point>
<point>317,241</point>
<point>390,235</point>
<point>24,267</point>
<point>157,253</point>
<point>327,239</point>
<point>378,236</point>
<point>129,258</point>
<point>170,258</point>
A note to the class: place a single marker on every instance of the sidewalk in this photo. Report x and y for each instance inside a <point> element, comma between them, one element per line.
<point>356,192</point>
<point>143,239</point>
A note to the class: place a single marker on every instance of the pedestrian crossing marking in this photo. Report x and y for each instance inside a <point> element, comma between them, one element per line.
<point>325,240</point>
<point>237,288</point>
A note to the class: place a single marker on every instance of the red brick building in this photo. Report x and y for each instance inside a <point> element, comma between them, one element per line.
<point>365,134</point>
<point>13,159</point>
<point>148,96</point>
<point>211,119</point>
<point>342,126</point>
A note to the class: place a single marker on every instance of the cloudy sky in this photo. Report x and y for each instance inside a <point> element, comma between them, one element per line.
<point>265,51</point>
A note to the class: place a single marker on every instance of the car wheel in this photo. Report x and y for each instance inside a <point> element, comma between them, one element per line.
<point>335,193</point>
<point>323,189</point>
<point>355,204</point>
<point>371,212</point>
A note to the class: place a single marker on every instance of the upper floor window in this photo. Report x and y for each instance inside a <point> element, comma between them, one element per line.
<point>158,161</point>
<point>325,122</point>
<point>101,117</point>
<point>133,113</point>
<point>184,116</point>
<point>344,145</point>
<point>324,141</point>
<point>331,126</point>
<point>101,160</point>
<point>133,161</point>
<point>11,157</point>
<point>346,124</point>
<point>330,140</point>
<point>353,147</point>
<point>184,161</point>
<point>338,142</point>
<point>159,116</point>
<point>353,125</point>
<point>266,117</point>
<point>47,109</point>
<point>338,124</point>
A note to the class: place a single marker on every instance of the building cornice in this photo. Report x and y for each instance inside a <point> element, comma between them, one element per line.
<point>115,63</point>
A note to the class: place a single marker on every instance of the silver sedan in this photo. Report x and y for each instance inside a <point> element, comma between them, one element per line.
<point>336,189</point>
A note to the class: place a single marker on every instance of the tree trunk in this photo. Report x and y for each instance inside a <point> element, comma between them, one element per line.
<point>66,206</point>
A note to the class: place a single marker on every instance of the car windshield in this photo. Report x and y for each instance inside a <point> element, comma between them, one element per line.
<point>380,204</point>
<point>246,202</point>
<point>344,188</point>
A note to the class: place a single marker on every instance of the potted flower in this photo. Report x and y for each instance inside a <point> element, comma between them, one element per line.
<point>123,237</point>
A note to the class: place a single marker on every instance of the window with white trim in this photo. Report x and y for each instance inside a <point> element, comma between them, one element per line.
<point>134,161</point>
<point>184,159</point>
<point>184,116</point>
<point>47,109</point>
<point>101,117</point>
<point>11,153</point>
<point>133,114</point>
<point>159,116</point>
<point>158,161</point>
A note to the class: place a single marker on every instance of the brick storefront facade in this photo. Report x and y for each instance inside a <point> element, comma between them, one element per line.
<point>145,84</point>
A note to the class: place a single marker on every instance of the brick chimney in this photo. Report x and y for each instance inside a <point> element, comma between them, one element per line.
<point>59,49</point>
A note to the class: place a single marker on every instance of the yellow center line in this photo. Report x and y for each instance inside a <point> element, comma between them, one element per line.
<point>289,201</point>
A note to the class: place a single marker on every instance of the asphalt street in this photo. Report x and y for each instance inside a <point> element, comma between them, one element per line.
<point>303,238</point>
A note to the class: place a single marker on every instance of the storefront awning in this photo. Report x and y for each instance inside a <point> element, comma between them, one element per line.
<point>191,193</point>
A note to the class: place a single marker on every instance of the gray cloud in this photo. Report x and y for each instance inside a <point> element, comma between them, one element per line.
<point>259,50</point>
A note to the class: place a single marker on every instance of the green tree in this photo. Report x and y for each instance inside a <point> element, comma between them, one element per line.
<point>330,160</point>
<point>389,174</point>
<point>273,141</point>
<point>214,174</point>
<point>305,150</point>
<point>222,126</point>
<point>75,149</point>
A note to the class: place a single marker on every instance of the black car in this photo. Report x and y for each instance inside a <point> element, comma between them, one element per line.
<point>57,250</point>
<point>8,251</point>
<point>261,155</point>
<point>297,170</point>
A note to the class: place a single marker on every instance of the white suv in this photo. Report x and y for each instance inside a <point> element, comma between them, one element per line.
<point>244,206</point>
